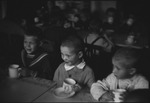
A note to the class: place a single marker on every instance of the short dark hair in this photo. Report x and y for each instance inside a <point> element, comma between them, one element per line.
<point>73,41</point>
<point>130,56</point>
<point>34,31</point>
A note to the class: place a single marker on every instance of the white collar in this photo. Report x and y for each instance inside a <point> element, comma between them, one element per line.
<point>79,66</point>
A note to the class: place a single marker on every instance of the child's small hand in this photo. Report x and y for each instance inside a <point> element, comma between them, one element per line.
<point>68,89</point>
<point>76,87</point>
<point>23,72</point>
<point>33,74</point>
<point>107,96</point>
<point>122,96</point>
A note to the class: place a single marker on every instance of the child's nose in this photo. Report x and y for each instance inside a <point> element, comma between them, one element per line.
<point>114,70</point>
<point>28,45</point>
<point>65,58</point>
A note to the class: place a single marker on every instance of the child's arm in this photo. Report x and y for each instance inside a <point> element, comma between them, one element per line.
<point>97,90</point>
<point>90,78</point>
<point>59,75</point>
<point>139,83</point>
<point>56,75</point>
<point>107,96</point>
<point>25,72</point>
<point>100,87</point>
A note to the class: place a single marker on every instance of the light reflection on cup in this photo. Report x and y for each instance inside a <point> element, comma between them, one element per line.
<point>117,93</point>
<point>68,84</point>
<point>13,71</point>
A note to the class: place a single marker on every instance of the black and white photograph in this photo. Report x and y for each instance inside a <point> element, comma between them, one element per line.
<point>74,51</point>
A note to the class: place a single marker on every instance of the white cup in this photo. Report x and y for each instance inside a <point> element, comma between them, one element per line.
<point>68,85</point>
<point>13,71</point>
<point>117,93</point>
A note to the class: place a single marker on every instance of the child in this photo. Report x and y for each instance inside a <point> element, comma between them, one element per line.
<point>111,23</point>
<point>35,60</point>
<point>123,76</point>
<point>74,65</point>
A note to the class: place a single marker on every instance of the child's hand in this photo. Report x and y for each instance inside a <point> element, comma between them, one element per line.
<point>23,72</point>
<point>122,96</point>
<point>76,87</point>
<point>69,89</point>
<point>107,96</point>
<point>33,74</point>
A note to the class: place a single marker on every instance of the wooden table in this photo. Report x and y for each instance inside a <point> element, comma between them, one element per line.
<point>23,90</point>
<point>82,96</point>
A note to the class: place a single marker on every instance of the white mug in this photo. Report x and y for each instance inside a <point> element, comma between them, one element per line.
<point>68,85</point>
<point>14,71</point>
<point>117,93</point>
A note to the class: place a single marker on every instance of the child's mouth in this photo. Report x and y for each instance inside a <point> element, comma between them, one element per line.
<point>28,49</point>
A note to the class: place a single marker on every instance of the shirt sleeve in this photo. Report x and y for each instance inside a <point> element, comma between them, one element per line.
<point>90,78</point>
<point>142,83</point>
<point>100,87</point>
<point>96,90</point>
<point>58,75</point>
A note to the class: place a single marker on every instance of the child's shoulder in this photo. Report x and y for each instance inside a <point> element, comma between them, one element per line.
<point>61,65</point>
<point>88,68</point>
<point>139,77</point>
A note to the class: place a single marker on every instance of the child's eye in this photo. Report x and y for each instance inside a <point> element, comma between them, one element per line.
<point>68,56</point>
<point>65,55</point>
<point>117,68</point>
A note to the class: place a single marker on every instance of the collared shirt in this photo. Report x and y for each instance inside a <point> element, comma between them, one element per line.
<point>79,66</point>
<point>111,82</point>
<point>81,73</point>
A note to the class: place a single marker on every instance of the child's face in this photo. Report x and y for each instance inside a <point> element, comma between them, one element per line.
<point>69,56</point>
<point>110,20</point>
<point>120,70</point>
<point>30,44</point>
<point>130,21</point>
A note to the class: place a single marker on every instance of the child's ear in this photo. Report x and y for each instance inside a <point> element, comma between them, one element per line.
<point>80,54</point>
<point>132,71</point>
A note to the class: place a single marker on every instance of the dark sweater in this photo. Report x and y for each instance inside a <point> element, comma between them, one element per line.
<point>39,63</point>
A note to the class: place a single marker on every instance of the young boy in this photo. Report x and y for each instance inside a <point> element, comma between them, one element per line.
<point>74,65</point>
<point>123,76</point>
<point>34,59</point>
